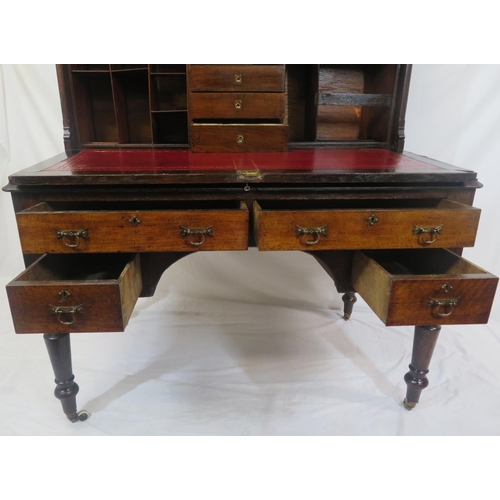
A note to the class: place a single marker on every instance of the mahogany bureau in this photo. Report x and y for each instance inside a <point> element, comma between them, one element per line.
<point>164,160</point>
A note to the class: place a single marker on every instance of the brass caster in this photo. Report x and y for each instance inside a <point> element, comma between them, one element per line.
<point>346,317</point>
<point>81,416</point>
<point>409,405</point>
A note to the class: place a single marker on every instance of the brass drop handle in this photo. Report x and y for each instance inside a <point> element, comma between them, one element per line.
<point>196,236</point>
<point>238,79</point>
<point>71,237</point>
<point>240,139</point>
<point>66,314</point>
<point>427,235</point>
<point>442,308</point>
<point>310,235</point>
<point>238,104</point>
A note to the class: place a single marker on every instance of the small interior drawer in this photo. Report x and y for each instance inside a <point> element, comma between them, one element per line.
<point>423,287</point>
<point>75,293</point>
<point>237,105</point>
<point>238,138</point>
<point>236,78</point>
<point>133,227</point>
<point>362,224</point>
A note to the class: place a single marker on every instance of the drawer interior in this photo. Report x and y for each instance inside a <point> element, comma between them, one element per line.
<point>422,262</point>
<point>112,206</point>
<point>232,121</point>
<point>69,267</point>
<point>394,203</point>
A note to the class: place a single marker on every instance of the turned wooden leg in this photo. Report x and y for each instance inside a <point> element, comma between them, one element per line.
<point>59,348</point>
<point>349,298</point>
<point>424,341</point>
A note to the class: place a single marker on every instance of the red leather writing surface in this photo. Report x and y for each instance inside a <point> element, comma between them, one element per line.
<point>184,160</point>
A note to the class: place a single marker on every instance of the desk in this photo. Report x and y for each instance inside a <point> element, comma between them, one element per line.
<point>98,227</point>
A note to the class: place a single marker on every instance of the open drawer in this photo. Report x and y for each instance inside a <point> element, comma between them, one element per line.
<point>361,224</point>
<point>75,293</point>
<point>59,227</point>
<point>423,287</point>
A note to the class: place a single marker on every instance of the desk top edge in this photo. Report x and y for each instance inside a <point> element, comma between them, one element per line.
<point>129,167</point>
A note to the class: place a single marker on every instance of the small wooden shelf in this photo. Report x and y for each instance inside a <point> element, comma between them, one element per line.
<point>165,74</point>
<point>90,71</point>
<point>347,99</point>
<point>167,69</point>
<point>128,67</point>
<point>136,70</point>
<point>89,67</point>
<point>99,144</point>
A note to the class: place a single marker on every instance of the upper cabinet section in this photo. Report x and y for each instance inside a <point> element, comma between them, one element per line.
<point>234,107</point>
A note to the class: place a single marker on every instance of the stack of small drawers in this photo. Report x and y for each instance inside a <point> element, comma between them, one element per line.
<point>237,108</point>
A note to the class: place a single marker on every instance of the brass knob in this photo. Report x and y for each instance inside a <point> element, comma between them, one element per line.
<point>238,79</point>
<point>237,104</point>
<point>240,139</point>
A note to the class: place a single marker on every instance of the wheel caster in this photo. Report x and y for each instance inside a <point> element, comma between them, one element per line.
<point>81,416</point>
<point>349,298</point>
<point>409,405</point>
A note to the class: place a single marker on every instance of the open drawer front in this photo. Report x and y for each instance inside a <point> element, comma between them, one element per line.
<point>361,224</point>
<point>75,293</point>
<point>423,287</point>
<point>159,226</point>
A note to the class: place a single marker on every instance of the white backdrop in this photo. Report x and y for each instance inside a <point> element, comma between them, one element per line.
<point>252,343</point>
